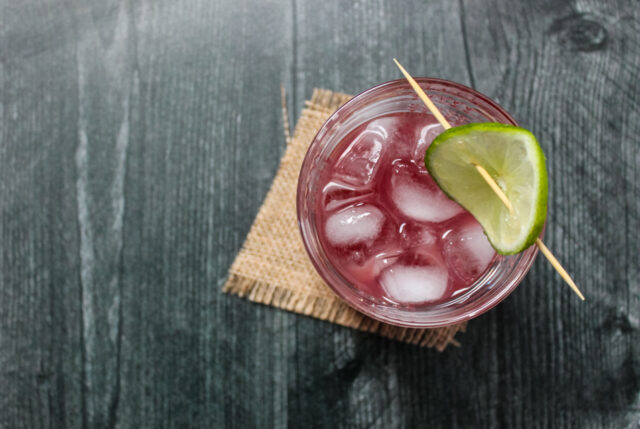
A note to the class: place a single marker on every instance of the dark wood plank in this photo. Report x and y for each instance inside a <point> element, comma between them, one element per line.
<point>209,138</point>
<point>348,377</point>
<point>569,73</point>
<point>41,353</point>
<point>138,139</point>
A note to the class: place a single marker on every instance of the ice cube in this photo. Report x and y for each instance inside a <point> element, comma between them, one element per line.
<point>381,126</point>
<point>354,225</point>
<point>415,235</point>
<point>337,194</point>
<point>467,251</point>
<point>383,260</point>
<point>415,195</point>
<point>368,270</point>
<point>414,284</point>
<point>359,162</point>
<point>427,134</point>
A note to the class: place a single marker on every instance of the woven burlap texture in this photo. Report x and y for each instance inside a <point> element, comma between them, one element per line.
<point>273,267</point>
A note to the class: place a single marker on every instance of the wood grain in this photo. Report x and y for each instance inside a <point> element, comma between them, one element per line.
<point>138,139</point>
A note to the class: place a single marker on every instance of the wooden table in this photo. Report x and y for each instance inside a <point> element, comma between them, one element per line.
<point>138,139</point>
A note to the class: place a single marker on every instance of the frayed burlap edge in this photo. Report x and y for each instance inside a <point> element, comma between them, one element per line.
<point>272,267</point>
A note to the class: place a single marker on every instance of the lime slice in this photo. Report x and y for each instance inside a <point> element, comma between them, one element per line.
<point>513,158</point>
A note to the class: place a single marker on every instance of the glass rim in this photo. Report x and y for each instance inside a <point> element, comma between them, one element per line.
<point>513,271</point>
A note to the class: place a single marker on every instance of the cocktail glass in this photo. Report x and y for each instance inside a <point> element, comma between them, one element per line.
<point>376,228</point>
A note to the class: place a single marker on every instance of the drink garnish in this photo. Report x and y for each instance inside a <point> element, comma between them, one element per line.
<point>512,154</point>
<point>512,209</point>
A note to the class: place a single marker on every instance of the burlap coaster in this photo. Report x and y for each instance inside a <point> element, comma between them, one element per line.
<point>273,267</point>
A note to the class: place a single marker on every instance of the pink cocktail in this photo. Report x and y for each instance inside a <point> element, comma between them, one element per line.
<point>378,228</point>
<point>387,226</point>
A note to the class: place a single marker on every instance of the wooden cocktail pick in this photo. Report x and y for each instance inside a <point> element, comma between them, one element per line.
<point>492,183</point>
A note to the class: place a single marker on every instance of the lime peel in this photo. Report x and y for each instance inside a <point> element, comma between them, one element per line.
<point>513,158</point>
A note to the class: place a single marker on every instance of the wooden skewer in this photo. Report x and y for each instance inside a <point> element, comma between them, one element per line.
<point>423,96</point>
<point>563,273</point>
<point>495,187</point>
<point>490,181</point>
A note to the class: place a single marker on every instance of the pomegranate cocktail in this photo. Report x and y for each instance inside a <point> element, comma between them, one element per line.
<point>378,228</point>
<point>387,226</point>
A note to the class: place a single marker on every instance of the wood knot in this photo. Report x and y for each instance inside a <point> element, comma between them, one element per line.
<point>580,32</point>
<point>619,321</point>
